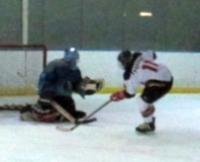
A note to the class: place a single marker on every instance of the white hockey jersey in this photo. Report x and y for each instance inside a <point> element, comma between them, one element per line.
<point>145,69</point>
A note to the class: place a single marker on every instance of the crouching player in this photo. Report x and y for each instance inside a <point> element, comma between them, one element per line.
<point>140,68</point>
<point>57,82</point>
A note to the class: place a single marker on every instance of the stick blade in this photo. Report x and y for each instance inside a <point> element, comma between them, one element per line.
<point>68,129</point>
<point>64,128</point>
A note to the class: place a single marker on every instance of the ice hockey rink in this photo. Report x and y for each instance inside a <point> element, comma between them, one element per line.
<point>112,138</point>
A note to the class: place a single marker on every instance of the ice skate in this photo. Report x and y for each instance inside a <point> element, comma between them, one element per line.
<point>146,127</point>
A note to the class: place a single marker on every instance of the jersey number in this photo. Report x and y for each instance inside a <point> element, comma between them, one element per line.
<point>148,65</point>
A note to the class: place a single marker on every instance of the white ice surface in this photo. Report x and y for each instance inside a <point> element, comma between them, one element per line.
<point>112,138</point>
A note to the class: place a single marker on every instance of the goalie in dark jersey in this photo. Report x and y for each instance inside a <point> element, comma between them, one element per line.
<point>57,82</point>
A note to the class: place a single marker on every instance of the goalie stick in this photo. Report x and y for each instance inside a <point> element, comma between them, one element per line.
<point>63,128</point>
<point>66,114</point>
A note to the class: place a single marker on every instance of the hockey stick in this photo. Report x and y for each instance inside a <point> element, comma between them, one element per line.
<point>65,113</point>
<point>85,119</point>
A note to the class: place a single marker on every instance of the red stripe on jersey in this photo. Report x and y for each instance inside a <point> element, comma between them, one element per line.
<point>149,68</point>
<point>147,61</point>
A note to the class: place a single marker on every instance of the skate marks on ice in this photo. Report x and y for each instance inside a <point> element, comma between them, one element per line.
<point>111,138</point>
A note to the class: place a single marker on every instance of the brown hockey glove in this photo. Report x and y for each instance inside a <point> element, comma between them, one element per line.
<point>117,96</point>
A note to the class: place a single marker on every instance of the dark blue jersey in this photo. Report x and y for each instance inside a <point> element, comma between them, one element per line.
<point>60,78</point>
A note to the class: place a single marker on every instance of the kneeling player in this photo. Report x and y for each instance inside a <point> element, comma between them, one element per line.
<point>140,68</point>
<point>57,82</point>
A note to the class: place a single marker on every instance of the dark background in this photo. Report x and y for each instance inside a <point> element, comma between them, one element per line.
<point>104,24</point>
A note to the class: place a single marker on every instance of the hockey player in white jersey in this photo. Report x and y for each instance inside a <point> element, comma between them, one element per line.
<point>140,68</point>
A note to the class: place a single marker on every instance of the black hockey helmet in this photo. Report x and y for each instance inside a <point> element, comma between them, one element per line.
<point>124,58</point>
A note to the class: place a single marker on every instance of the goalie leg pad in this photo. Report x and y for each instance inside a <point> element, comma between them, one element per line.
<point>26,114</point>
<point>69,105</point>
<point>37,113</point>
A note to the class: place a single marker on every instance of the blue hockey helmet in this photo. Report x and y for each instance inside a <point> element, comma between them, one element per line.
<point>71,54</point>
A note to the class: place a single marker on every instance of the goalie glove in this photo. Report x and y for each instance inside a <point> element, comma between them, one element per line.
<point>92,86</point>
